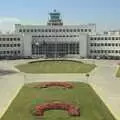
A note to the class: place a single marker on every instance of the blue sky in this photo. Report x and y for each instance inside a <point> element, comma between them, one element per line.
<point>105,13</point>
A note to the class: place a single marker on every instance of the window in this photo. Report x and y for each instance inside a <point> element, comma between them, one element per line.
<point>91,44</point>
<point>20,30</point>
<point>116,44</point>
<point>89,30</point>
<point>15,52</point>
<point>98,38</point>
<point>102,51</point>
<point>112,38</point>
<point>74,30</point>
<point>91,51</point>
<point>46,30</point>
<point>18,52</point>
<point>18,39</point>
<point>7,52</point>
<point>105,44</point>
<point>102,44</point>
<point>94,51</point>
<point>63,30</point>
<point>53,30</point>
<point>112,44</point>
<point>91,38</point>
<point>98,44</point>
<point>18,45</point>
<point>38,30</point>
<point>67,30</point>
<point>49,30</point>
<point>60,30</point>
<point>105,38</point>
<point>85,30</point>
<point>81,30</point>
<point>109,44</point>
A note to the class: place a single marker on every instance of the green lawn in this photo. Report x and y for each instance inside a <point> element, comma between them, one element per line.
<point>82,95</point>
<point>118,72</point>
<point>56,67</point>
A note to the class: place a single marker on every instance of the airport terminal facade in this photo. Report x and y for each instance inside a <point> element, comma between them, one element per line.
<point>56,40</point>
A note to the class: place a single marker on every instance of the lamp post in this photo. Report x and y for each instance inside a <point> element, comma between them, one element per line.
<point>87,75</point>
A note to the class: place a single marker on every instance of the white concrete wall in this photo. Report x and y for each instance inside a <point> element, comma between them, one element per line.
<point>27,45</point>
<point>83,45</point>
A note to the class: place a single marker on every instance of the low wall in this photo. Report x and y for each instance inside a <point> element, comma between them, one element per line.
<point>9,88</point>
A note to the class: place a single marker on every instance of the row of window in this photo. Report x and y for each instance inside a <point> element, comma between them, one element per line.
<point>105,44</point>
<point>105,38</point>
<point>10,45</point>
<point>55,30</point>
<point>9,39</point>
<point>56,48</point>
<point>105,51</point>
<point>10,52</point>
<point>56,36</point>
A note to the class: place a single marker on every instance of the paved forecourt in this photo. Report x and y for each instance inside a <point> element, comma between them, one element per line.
<point>102,79</point>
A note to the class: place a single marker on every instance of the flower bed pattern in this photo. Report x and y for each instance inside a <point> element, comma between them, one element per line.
<point>51,84</point>
<point>71,109</point>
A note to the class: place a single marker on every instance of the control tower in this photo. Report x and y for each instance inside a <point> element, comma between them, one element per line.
<point>55,19</point>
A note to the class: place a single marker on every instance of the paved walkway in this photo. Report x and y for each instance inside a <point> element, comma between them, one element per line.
<point>102,79</point>
<point>9,88</point>
<point>107,86</point>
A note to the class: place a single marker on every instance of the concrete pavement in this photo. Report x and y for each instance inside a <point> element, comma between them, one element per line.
<point>107,86</point>
<point>102,79</point>
<point>9,88</point>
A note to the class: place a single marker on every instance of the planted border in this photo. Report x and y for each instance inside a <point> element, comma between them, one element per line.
<point>52,84</point>
<point>71,109</point>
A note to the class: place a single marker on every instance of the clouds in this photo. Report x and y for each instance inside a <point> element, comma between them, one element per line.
<point>7,23</point>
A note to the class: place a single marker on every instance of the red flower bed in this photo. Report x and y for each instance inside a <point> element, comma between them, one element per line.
<point>51,84</point>
<point>71,109</point>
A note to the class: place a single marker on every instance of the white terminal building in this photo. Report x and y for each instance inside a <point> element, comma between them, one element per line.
<point>56,40</point>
